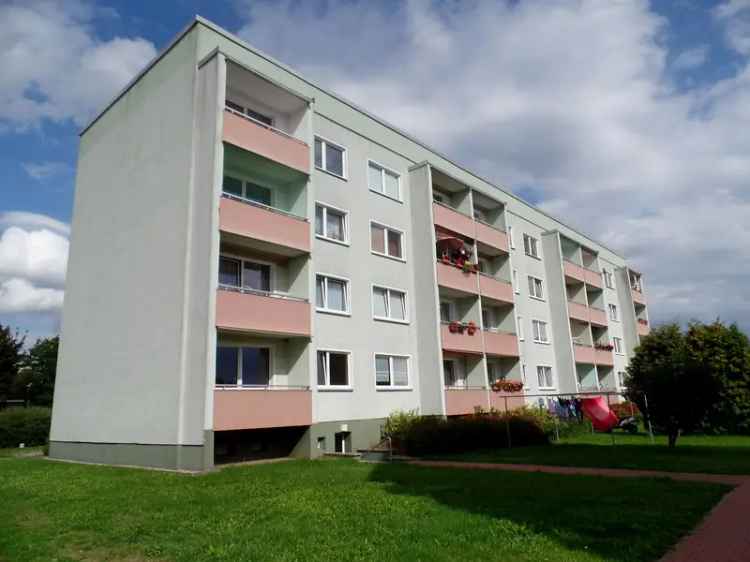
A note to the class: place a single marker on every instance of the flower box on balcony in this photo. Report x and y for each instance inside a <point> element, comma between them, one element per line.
<point>643,322</point>
<point>604,346</point>
<point>507,386</point>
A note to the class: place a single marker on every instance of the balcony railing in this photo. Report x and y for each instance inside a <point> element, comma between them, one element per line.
<point>638,297</point>
<point>464,341</point>
<point>499,343</point>
<point>452,277</point>
<point>464,400</point>
<point>495,288</point>
<point>449,218</point>
<point>492,236</point>
<point>261,407</point>
<point>583,353</point>
<point>582,273</point>
<point>248,310</point>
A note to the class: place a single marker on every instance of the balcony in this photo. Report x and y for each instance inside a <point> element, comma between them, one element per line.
<point>505,401</point>
<point>593,278</point>
<point>578,311</point>
<point>452,277</point>
<point>491,236</point>
<point>584,354</point>
<point>274,231</point>
<point>262,313</point>
<point>266,141</point>
<point>597,316</point>
<point>450,219</point>
<point>604,357</point>
<point>495,289</point>
<point>264,407</point>
<point>463,400</point>
<point>461,342</point>
<point>500,343</point>
<point>642,328</point>
<point>638,297</point>
<point>574,271</point>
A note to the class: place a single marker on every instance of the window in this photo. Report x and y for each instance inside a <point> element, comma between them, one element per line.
<point>523,375</point>
<point>519,322</point>
<point>492,373</point>
<point>330,157</point>
<point>388,304</point>
<point>250,113</point>
<point>540,331</point>
<point>242,366</point>
<point>333,368</point>
<point>386,241</point>
<point>449,373</point>
<point>247,190</point>
<point>544,376</point>
<point>609,279</point>
<point>244,273</point>
<point>612,312</point>
<point>536,289</point>
<point>445,312</point>
<point>480,215</point>
<point>487,319</point>
<point>511,239</point>
<point>617,344</point>
<point>531,246</point>
<point>516,287</point>
<point>383,181</point>
<point>391,371</point>
<point>621,376</point>
<point>342,442</point>
<point>331,224</point>
<point>438,197</point>
<point>331,294</point>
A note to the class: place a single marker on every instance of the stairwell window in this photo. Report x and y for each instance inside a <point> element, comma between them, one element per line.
<point>331,224</point>
<point>544,377</point>
<point>621,377</point>
<point>388,304</point>
<point>540,331</point>
<point>333,369</point>
<point>391,371</point>
<point>536,288</point>
<point>514,278</point>
<point>523,375</point>
<point>331,294</point>
<point>519,328</point>
<point>511,238</point>
<point>386,241</point>
<point>613,312</point>
<point>531,246</point>
<point>609,280</point>
<point>330,157</point>
<point>384,181</point>
<point>617,344</point>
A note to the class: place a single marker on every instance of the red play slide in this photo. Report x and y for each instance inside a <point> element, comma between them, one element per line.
<point>597,410</point>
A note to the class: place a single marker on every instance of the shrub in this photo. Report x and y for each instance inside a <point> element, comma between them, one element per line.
<point>24,425</point>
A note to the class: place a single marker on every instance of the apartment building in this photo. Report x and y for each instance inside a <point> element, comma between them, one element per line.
<point>258,267</point>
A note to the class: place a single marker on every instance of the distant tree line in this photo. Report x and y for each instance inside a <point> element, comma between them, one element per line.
<point>27,374</point>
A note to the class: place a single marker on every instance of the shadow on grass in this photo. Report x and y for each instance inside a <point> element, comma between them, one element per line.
<point>614,519</point>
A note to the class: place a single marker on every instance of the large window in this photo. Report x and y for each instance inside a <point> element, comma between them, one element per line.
<point>331,223</point>
<point>388,304</point>
<point>531,246</point>
<point>391,371</point>
<point>613,312</point>
<point>330,157</point>
<point>536,287</point>
<point>246,274</point>
<point>386,241</point>
<point>242,366</point>
<point>247,190</point>
<point>332,294</point>
<point>544,377</point>
<point>540,331</point>
<point>383,181</point>
<point>333,369</point>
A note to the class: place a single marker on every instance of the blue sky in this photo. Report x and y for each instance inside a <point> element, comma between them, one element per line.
<point>631,107</point>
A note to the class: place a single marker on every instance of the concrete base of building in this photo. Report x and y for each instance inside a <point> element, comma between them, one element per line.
<point>321,438</point>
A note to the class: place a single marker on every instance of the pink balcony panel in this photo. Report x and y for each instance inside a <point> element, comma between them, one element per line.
<point>604,357</point>
<point>453,277</point>
<point>578,311</point>
<point>492,237</point>
<point>459,401</point>
<point>643,329</point>
<point>269,143</point>
<point>260,408</point>
<point>495,289</point>
<point>574,271</point>
<point>638,297</point>
<point>250,221</point>
<point>453,220</point>
<point>499,343</point>
<point>262,314</point>
<point>510,400</point>
<point>593,278</point>
<point>584,354</point>
<point>461,343</point>
<point>597,316</point>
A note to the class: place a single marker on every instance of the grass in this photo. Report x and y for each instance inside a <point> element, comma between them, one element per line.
<point>16,452</point>
<point>694,453</point>
<point>337,510</point>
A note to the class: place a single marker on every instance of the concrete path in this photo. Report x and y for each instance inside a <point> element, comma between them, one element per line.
<point>723,536</point>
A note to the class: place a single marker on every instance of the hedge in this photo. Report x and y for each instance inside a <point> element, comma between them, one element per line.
<point>24,425</point>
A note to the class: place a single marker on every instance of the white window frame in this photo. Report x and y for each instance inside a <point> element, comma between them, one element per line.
<point>514,279</point>
<point>347,295</point>
<point>391,386</point>
<point>245,179</point>
<point>388,290</point>
<point>344,157</point>
<point>609,279</point>
<point>327,387</point>
<point>451,310</point>
<point>621,378</point>
<point>530,246</point>
<point>245,111</point>
<point>532,282</point>
<point>387,230</point>
<point>326,206</point>
<point>240,346</point>
<point>551,376</point>
<point>613,314</point>
<point>271,274</point>
<point>617,345</point>
<point>511,238</point>
<point>383,171</point>
<point>519,327</point>
<point>536,321</point>
<point>524,380</point>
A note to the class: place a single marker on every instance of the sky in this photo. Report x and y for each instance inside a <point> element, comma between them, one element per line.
<point>627,119</point>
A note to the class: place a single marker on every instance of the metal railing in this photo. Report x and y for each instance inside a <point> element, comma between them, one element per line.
<point>264,125</point>
<point>261,293</point>
<point>263,206</point>
<point>261,387</point>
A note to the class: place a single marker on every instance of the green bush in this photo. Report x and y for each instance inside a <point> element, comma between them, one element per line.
<point>24,425</point>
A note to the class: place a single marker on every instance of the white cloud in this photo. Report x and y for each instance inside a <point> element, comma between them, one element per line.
<point>691,58</point>
<point>736,15</point>
<point>27,220</point>
<point>18,295</point>
<point>42,171</point>
<point>54,67</point>
<point>573,98</point>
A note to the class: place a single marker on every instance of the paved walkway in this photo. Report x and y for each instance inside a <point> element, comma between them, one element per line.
<point>723,536</point>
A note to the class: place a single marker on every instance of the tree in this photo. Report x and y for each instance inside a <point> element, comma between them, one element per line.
<point>36,378</point>
<point>680,389</point>
<point>11,344</point>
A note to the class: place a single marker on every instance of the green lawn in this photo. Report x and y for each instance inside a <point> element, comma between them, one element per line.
<point>694,453</point>
<point>337,510</point>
